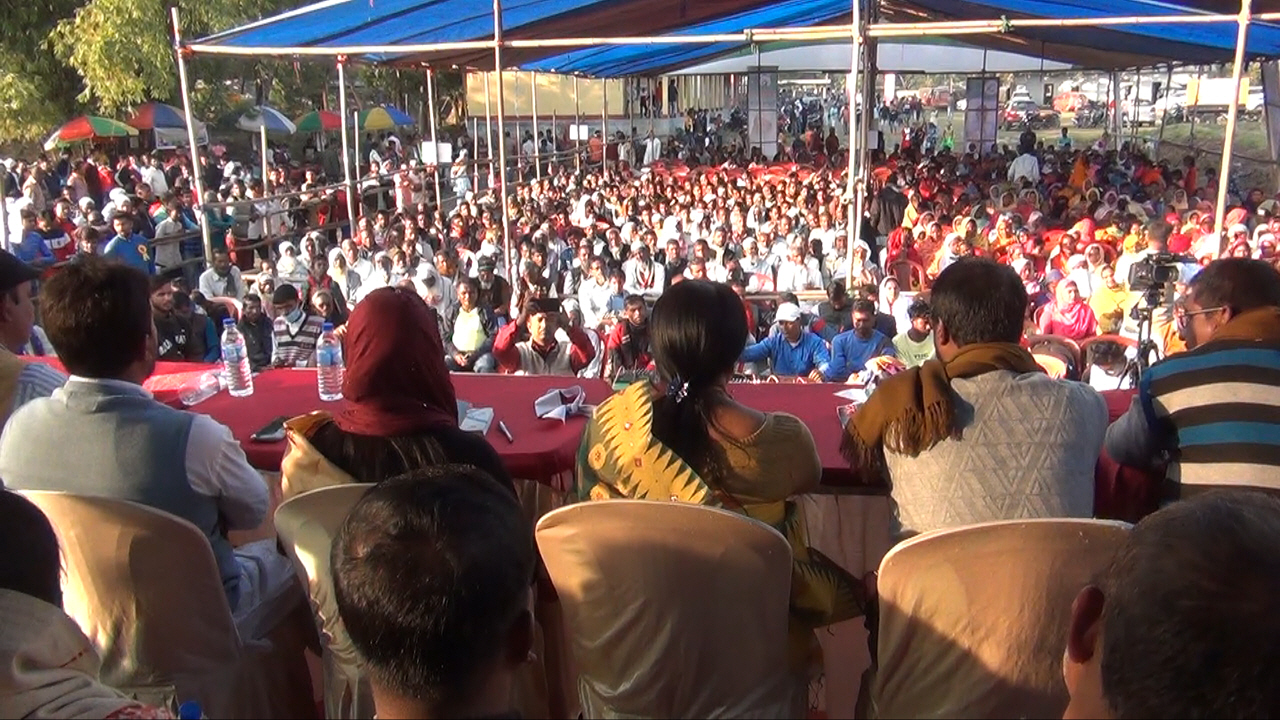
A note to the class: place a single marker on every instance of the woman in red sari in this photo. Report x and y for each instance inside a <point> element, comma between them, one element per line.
<point>1068,315</point>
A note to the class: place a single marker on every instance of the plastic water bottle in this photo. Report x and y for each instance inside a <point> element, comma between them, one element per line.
<point>236,373</point>
<point>329,364</point>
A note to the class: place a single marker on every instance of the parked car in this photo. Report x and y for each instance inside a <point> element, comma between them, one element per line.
<point>1027,114</point>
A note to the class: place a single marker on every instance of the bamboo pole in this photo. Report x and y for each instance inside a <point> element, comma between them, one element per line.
<point>197,174</point>
<point>348,176</point>
<point>537,140</point>
<point>502,141</point>
<point>1233,113</point>
<point>435,143</point>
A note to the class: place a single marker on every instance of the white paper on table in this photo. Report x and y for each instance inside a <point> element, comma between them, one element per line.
<point>560,404</point>
<point>853,394</point>
<point>477,420</point>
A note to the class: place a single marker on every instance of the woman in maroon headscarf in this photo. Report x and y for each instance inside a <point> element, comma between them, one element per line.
<point>398,412</point>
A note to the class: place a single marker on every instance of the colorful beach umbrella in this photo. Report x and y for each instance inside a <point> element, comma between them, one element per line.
<point>384,117</point>
<point>154,115</point>
<point>88,127</point>
<point>274,120</point>
<point>318,121</point>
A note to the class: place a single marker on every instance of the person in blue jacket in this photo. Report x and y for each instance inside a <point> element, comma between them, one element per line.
<point>32,249</point>
<point>129,247</point>
<point>851,350</point>
<point>794,351</point>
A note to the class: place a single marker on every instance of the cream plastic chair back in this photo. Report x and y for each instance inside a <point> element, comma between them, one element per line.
<point>307,524</point>
<point>673,610</point>
<point>973,620</point>
<point>144,587</point>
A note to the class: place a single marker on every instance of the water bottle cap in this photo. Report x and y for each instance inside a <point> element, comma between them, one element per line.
<point>227,321</point>
<point>328,327</point>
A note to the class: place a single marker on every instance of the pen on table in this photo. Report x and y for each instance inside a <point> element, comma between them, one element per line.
<point>506,431</point>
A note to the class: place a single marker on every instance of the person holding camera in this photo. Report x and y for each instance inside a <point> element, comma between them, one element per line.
<point>542,353</point>
<point>1213,413</point>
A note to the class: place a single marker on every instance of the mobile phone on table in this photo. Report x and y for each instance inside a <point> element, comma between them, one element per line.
<point>271,432</point>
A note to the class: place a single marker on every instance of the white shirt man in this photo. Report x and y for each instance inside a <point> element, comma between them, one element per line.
<point>643,276</point>
<point>223,279</point>
<point>153,175</point>
<point>1025,166</point>
<point>797,274</point>
<point>593,295</point>
<point>652,149</point>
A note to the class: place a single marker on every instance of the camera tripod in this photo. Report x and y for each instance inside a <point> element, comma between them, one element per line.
<point>1143,313</point>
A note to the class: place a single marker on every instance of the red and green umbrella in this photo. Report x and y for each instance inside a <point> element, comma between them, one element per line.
<point>318,121</point>
<point>88,127</point>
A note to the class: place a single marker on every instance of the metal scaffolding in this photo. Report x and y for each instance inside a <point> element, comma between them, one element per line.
<point>864,28</point>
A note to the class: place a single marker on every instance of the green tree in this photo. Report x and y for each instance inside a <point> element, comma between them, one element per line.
<point>123,49</point>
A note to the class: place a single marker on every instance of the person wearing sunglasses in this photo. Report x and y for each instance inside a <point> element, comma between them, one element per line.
<point>1211,415</point>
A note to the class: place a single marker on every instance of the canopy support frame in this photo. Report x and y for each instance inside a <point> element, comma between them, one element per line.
<point>1233,114</point>
<point>197,173</point>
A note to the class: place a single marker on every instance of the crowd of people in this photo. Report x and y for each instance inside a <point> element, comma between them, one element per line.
<point>677,279</point>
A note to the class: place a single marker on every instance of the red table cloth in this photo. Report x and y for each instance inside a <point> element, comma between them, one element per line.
<point>541,449</point>
<point>545,448</point>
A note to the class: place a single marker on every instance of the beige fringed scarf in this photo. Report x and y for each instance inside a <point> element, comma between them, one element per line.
<point>915,409</point>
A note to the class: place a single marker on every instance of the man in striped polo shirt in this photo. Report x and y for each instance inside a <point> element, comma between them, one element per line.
<point>1213,413</point>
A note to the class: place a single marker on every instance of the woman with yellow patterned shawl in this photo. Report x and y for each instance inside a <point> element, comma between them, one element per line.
<point>687,440</point>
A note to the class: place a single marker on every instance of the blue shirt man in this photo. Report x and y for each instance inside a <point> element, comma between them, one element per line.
<point>851,350</point>
<point>128,247</point>
<point>794,351</point>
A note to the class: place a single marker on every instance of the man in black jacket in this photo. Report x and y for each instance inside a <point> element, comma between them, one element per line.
<point>257,330</point>
<point>887,209</point>
<point>468,332</point>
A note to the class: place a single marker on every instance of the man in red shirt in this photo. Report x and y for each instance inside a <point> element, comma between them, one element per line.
<point>627,345</point>
<point>542,353</point>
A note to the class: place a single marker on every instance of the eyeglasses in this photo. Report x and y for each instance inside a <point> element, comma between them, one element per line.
<point>1181,315</point>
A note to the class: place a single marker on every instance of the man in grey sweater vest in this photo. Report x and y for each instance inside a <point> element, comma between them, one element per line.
<point>103,435</point>
<point>979,433</point>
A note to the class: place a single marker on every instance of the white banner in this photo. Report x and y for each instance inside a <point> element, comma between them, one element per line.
<point>170,138</point>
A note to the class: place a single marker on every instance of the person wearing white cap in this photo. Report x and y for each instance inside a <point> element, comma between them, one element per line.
<point>793,352</point>
<point>644,277</point>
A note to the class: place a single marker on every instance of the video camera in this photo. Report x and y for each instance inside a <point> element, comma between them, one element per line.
<point>1156,271</point>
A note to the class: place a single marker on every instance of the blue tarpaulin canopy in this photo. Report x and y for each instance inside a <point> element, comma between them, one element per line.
<point>349,23</point>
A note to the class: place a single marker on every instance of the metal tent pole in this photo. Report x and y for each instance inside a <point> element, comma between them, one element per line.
<point>854,223</point>
<point>502,141</point>
<point>196,174</point>
<point>537,140</point>
<point>475,156</point>
<point>488,136</point>
<point>1233,113</point>
<point>577,110</point>
<point>435,144</point>
<point>262,131</point>
<point>1168,80</point>
<point>604,124</point>
<point>347,175</point>
<point>355,146</point>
